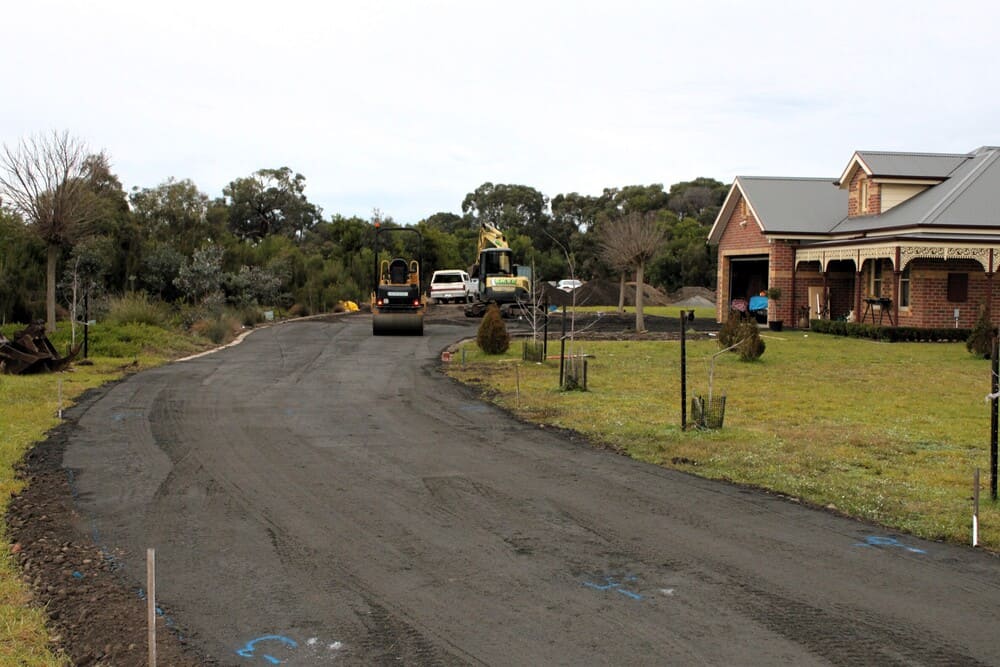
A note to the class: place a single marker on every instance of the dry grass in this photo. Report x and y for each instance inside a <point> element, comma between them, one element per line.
<point>886,432</point>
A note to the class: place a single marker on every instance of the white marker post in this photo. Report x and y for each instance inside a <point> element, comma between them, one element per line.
<point>151,604</point>
<point>975,508</point>
<point>60,413</point>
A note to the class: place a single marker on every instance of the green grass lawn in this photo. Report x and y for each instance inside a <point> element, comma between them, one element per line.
<point>886,432</point>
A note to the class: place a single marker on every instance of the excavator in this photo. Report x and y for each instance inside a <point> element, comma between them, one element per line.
<point>497,276</point>
<point>398,306</point>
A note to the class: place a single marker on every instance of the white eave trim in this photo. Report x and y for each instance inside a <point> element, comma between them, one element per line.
<point>726,212</point>
<point>856,160</point>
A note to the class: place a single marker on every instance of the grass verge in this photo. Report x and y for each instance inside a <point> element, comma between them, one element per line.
<point>29,408</point>
<point>890,433</point>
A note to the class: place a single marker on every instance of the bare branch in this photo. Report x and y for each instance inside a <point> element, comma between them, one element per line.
<point>46,180</point>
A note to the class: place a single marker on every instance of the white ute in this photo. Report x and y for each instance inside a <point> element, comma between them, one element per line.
<point>450,285</point>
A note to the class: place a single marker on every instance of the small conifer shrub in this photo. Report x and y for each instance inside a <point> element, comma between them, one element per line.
<point>492,337</point>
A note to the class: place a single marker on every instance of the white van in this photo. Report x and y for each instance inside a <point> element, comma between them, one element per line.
<point>450,285</point>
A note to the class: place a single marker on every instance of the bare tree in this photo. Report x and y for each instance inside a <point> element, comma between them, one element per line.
<point>46,180</point>
<point>628,243</point>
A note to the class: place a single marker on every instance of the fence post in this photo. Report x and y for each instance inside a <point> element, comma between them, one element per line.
<point>994,387</point>
<point>683,373</point>
<point>562,351</point>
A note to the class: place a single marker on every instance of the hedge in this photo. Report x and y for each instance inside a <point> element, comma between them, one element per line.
<point>890,334</point>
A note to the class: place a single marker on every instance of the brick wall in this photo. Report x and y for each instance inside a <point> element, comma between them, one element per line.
<point>779,274</point>
<point>929,305</point>
<point>741,236</point>
<point>854,193</point>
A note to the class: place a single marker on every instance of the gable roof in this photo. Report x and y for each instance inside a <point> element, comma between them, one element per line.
<point>792,206</point>
<point>917,166</point>
<point>968,198</point>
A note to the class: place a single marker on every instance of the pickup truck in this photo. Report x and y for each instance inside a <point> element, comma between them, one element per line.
<point>450,285</point>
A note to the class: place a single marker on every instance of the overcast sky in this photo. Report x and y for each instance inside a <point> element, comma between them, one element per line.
<point>408,105</point>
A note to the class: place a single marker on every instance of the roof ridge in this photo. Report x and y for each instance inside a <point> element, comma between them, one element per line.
<point>914,153</point>
<point>788,178</point>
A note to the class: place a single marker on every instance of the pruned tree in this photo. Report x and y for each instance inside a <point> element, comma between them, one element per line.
<point>627,243</point>
<point>46,179</point>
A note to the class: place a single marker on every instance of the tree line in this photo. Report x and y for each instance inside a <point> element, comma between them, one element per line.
<point>68,226</point>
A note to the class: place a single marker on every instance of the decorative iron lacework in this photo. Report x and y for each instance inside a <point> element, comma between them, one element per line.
<point>907,254</point>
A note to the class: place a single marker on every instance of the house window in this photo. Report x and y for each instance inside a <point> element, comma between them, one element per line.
<point>904,288</point>
<point>863,196</point>
<point>958,287</point>
<point>875,279</point>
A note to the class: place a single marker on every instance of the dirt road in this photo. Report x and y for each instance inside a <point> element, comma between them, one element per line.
<point>317,495</point>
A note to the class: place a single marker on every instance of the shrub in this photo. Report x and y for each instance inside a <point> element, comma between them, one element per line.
<point>492,337</point>
<point>218,330</point>
<point>751,345</point>
<point>890,334</point>
<point>980,341</point>
<point>136,308</point>
<point>727,334</point>
<point>251,316</point>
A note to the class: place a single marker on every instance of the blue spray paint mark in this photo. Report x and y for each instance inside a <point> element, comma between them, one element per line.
<point>892,542</point>
<point>611,585</point>
<point>77,574</point>
<point>248,651</point>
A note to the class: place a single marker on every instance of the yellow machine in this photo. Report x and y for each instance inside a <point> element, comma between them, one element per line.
<point>398,305</point>
<point>496,275</point>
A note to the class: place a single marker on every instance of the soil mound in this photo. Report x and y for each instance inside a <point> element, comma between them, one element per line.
<point>692,296</point>
<point>603,292</point>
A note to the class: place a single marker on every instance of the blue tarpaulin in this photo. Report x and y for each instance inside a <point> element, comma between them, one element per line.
<point>758,303</point>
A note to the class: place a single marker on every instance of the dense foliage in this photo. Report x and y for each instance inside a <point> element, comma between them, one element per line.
<point>890,334</point>
<point>492,337</point>
<point>980,342</point>
<point>264,244</point>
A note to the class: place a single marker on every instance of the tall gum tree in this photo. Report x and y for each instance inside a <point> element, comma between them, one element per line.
<point>46,179</point>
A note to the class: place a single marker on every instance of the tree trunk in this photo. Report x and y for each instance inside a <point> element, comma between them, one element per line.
<point>50,287</point>
<point>640,322</point>
<point>621,293</point>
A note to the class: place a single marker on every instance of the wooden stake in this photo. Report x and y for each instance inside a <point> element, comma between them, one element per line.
<point>517,388</point>
<point>151,604</point>
<point>975,508</point>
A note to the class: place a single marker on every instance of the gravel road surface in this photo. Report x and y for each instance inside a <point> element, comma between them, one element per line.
<point>317,495</point>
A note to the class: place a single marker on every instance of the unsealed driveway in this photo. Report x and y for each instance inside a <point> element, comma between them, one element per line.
<point>318,495</point>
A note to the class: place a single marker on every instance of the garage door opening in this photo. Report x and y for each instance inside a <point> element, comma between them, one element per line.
<point>747,278</point>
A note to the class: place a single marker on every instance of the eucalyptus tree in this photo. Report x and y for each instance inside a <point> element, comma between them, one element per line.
<point>270,201</point>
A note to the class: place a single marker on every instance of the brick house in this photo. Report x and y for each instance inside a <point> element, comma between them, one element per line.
<point>910,239</point>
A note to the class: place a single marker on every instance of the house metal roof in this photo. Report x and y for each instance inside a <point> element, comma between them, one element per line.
<point>911,165</point>
<point>786,205</point>
<point>968,198</point>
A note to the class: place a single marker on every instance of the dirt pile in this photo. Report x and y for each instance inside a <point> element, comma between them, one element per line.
<point>602,292</point>
<point>692,296</point>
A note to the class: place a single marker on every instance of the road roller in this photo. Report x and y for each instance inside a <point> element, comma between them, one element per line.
<point>398,304</point>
